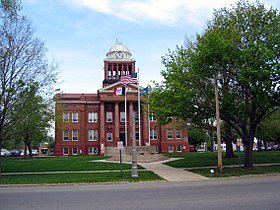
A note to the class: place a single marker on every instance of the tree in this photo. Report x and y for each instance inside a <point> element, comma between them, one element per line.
<point>197,136</point>
<point>269,129</point>
<point>35,119</point>
<point>241,43</point>
<point>10,7</point>
<point>22,63</point>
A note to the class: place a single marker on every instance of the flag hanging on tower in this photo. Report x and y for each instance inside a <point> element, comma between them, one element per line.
<point>129,79</point>
<point>119,91</point>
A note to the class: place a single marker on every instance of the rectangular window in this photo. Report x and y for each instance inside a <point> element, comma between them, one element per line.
<point>65,135</point>
<point>66,116</point>
<point>92,150</point>
<point>137,136</point>
<point>109,116</point>
<point>75,135</point>
<point>153,134</point>
<point>92,117</point>
<point>109,137</point>
<point>75,117</point>
<point>74,151</point>
<point>122,116</point>
<point>169,133</point>
<point>178,134</point>
<point>179,148</point>
<point>65,151</point>
<point>170,149</point>
<point>92,135</point>
<point>152,117</point>
<point>136,116</point>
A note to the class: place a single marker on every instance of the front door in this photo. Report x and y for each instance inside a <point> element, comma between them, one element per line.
<point>122,138</point>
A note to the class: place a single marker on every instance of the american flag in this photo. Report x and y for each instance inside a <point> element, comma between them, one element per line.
<point>129,79</point>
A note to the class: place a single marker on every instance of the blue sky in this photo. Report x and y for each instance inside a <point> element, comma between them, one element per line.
<point>79,33</point>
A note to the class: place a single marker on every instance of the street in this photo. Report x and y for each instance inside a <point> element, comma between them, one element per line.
<point>255,192</point>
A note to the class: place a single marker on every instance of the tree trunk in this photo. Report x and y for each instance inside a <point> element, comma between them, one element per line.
<point>248,163</point>
<point>212,141</point>
<point>29,148</point>
<point>229,139</point>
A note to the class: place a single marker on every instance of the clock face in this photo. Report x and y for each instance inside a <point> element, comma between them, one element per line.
<point>119,55</point>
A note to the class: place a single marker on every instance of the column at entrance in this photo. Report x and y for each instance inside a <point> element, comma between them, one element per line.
<point>145,129</point>
<point>102,128</point>
<point>130,124</point>
<point>117,121</point>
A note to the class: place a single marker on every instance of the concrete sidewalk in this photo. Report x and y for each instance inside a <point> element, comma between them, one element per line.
<point>171,174</point>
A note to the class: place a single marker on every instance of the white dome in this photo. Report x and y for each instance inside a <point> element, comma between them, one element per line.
<point>118,47</point>
<point>119,52</point>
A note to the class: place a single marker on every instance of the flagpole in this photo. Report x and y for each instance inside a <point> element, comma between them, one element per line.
<point>125,121</point>
<point>149,125</point>
<point>139,108</point>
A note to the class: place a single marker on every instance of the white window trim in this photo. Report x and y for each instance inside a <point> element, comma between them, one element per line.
<point>94,118</point>
<point>73,151</point>
<point>181,148</point>
<point>73,135</point>
<point>122,119</point>
<point>64,135</point>
<point>92,153</point>
<point>67,150</point>
<point>107,136</point>
<point>107,117</point>
<point>169,131</point>
<point>178,131</point>
<point>73,119</point>
<point>66,119</point>
<point>152,134</point>
<point>170,150</point>
<point>94,132</point>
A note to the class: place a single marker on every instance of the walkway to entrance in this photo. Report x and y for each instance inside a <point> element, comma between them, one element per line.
<point>171,174</point>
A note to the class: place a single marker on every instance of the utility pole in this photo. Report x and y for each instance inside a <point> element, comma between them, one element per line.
<point>220,162</point>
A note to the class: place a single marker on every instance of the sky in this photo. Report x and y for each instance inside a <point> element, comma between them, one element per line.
<point>79,33</point>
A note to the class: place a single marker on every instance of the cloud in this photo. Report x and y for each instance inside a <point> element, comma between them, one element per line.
<point>167,12</point>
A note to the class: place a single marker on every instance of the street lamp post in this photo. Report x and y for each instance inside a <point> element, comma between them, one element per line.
<point>220,162</point>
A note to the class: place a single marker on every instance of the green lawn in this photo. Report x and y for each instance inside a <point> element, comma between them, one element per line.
<point>67,164</point>
<point>77,178</point>
<point>228,171</point>
<point>210,159</point>
<point>44,164</point>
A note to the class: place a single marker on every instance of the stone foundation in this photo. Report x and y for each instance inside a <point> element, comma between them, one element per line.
<point>144,154</point>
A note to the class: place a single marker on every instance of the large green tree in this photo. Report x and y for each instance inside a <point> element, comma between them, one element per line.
<point>242,44</point>
<point>35,120</point>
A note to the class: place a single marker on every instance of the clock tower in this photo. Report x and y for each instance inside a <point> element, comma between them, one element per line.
<point>118,62</point>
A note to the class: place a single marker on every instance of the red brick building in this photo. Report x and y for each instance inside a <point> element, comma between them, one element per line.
<point>88,123</point>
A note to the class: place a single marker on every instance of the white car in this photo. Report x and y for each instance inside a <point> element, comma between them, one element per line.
<point>5,153</point>
<point>34,152</point>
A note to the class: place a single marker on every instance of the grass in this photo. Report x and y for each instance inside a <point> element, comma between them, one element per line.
<point>74,163</point>
<point>210,159</point>
<point>66,164</point>
<point>228,171</point>
<point>79,164</point>
<point>192,160</point>
<point>77,178</point>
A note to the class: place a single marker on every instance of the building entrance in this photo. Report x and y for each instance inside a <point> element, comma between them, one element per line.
<point>122,138</point>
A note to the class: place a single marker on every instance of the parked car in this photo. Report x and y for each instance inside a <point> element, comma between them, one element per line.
<point>5,153</point>
<point>276,147</point>
<point>15,152</point>
<point>34,152</point>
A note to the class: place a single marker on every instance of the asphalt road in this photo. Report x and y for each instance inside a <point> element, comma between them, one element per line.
<point>234,193</point>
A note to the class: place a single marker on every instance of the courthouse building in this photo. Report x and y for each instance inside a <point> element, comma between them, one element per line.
<point>89,123</point>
